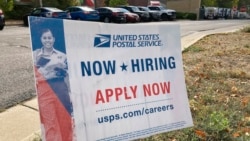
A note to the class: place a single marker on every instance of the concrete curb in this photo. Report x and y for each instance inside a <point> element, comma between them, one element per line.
<point>13,22</point>
<point>21,122</point>
<point>189,40</point>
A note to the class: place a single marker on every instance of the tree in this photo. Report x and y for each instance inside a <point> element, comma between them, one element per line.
<point>221,3</point>
<point>208,3</point>
<point>66,3</point>
<point>106,2</point>
<point>114,3</point>
<point>227,3</point>
<point>61,4</point>
<point>235,2</point>
<point>7,5</point>
<point>243,2</point>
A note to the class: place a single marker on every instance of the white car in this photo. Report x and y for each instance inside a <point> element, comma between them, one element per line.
<point>166,14</point>
<point>211,13</point>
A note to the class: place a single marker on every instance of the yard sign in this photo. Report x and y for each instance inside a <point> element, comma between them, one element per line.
<point>126,80</point>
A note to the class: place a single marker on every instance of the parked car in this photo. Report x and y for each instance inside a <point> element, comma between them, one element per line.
<point>130,17</point>
<point>2,20</point>
<point>211,13</point>
<point>109,14</point>
<point>50,12</point>
<point>154,15</point>
<point>83,13</point>
<point>221,12</point>
<point>228,12</point>
<point>144,16</point>
<point>166,14</point>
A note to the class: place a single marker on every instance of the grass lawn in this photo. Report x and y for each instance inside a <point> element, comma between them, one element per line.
<point>217,74</point>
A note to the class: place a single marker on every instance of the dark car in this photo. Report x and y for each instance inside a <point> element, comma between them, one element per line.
<point>144,16</point>
<point>154,15</point>
<point>109,14</point>
<point>50,12</point>
<point>166,14</point>
<point>83,13</point>
<point>130,17</point>
<point>2,20</point>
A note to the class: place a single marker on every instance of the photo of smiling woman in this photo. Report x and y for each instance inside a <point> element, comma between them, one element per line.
<point>51,75</point>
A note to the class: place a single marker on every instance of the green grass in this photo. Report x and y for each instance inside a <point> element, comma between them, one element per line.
<point>246,29</point>
<point>247,46</point>
<point>193,49</point>
<point>37,137</point>
<point>218,91</point>
<point>2,110</point>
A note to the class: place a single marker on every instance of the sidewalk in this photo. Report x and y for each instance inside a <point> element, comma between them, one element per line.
<point>13,22</point>
<point>22,123</point>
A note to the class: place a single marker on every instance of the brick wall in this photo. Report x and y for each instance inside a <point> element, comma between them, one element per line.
<point>144,2</point>
<point>138,2</point>
<point>191,6</point>
<point>100,3</point>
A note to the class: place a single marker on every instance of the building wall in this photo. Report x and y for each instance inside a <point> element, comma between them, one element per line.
<point>100,3</point>
<point>178,5</point>
<point>191,6</point>
<point>145,2</point>
<point>138,2</point>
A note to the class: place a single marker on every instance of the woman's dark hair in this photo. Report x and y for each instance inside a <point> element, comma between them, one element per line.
<point>44,30</point>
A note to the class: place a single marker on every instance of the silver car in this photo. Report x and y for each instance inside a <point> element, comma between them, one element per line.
<point>166,14</point>
<point>154,15</point>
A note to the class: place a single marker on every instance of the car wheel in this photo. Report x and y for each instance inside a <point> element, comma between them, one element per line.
<point>106,20</point>
<point>164,17</point>
<point>25,21</point>
<point>150,19</point>
<point>1,27</point>
<point>139,20</point>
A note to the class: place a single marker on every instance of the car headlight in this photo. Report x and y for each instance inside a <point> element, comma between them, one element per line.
<point>169,13</point>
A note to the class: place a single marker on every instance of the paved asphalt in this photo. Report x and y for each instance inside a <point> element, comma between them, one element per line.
<point>19,72</point>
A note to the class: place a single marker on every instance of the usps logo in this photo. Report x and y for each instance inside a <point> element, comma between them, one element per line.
<point>102,41</point>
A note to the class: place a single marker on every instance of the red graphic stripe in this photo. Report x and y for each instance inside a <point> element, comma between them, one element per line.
<point>57,122</point>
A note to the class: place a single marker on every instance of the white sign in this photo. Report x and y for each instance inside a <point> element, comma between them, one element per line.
<point>126,80</point>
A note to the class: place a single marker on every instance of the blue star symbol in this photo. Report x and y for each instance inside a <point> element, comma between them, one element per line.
<point>124,67</point>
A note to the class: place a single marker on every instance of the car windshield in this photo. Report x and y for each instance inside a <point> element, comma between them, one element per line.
<point>124,10</point>
<point>53,9</point>
<point>135,9</point>
<point>145,8</point>
<point>162,8</point>
<point>87,9</point>
<point>115,9</point>
<point>156,8</point>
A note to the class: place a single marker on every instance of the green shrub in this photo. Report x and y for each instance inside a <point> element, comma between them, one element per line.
<point>246,29</point>
<point>186,15</point>
<point>193,49</point>
<point>114,3</point>
<point>18,11</point>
